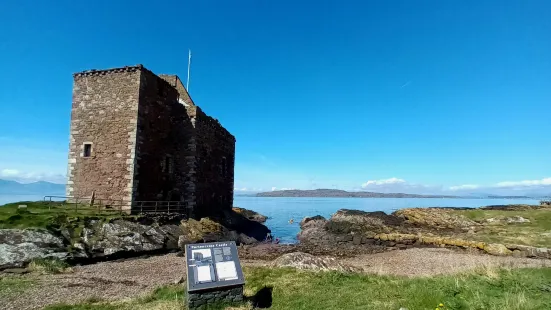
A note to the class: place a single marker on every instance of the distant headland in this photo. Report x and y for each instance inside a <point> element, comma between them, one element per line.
<point>336,193</point>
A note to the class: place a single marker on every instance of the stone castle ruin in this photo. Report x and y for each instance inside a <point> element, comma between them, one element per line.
<point>139,137</point>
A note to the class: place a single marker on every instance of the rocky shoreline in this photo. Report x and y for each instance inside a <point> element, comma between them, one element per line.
<point>347,233</point>
<point>82,240</point>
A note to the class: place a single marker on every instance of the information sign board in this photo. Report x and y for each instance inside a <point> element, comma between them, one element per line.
<point>212,265</point>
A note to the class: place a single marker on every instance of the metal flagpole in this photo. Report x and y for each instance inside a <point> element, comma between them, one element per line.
<point>188,69</point>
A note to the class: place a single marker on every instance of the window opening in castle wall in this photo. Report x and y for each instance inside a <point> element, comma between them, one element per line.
<point>87,150</point>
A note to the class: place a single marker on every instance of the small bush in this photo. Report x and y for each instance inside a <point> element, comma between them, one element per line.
<point>49,265</point>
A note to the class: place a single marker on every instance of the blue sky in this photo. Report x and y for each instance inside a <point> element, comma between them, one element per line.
<point>418,96</point>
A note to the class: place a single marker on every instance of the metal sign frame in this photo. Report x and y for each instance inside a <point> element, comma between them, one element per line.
<point>215,258</point>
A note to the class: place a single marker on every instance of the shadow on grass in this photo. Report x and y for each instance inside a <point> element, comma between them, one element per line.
<point>263,298</point>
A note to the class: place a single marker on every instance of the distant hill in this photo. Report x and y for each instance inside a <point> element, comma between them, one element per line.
<point>344,194</point>
<point>37,188</point>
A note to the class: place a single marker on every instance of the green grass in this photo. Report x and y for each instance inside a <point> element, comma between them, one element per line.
<point>166,297</point>
<point>40,214</point>
<point>482,289</point>
<point>11,286</point>
<point>535,233</point>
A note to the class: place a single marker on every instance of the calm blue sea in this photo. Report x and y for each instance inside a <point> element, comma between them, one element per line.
<point>281,210</point>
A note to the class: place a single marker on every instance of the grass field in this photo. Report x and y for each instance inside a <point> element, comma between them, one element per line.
<point>535,233</point>
<point>292,289</point>
<point>40,214</point>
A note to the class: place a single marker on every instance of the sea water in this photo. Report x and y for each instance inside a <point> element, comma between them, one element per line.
<point>281,210</point>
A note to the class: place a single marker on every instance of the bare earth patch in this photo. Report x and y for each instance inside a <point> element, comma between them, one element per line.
<point>120,280</point>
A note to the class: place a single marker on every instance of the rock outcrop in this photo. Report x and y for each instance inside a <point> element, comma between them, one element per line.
<point>18,247</point>
<point>509,220</point>
<point>91,238</point>
<point>435,218</point>
<point>307,261</point>
<point>342,234</point>
<point>350,232</point>
<point>251,215</point>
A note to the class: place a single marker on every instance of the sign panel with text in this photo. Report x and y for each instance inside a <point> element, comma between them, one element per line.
<point>212,265</point>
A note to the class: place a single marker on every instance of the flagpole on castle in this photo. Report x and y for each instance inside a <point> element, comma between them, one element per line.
<point>188,69</point>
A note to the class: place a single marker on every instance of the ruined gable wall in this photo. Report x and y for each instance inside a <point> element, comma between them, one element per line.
<point>215,165</point>
<point>175,81</point>
<point>104,113</point>
<point>164,132</point>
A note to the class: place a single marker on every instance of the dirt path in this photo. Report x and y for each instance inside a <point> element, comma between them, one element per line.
<point>434,261</point>
<point>132,278</point>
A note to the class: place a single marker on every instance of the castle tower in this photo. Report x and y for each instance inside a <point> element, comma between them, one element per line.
<point>137,137</point>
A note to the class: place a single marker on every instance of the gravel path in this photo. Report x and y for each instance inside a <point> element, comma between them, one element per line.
<point>106,280</point>
<point>119,280</point>
<point>434,261</point>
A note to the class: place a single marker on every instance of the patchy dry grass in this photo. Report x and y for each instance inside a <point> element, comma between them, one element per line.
<point>535,233</point>
<point>484,288</point>
<point>13,285</point>
<point>49,266</point>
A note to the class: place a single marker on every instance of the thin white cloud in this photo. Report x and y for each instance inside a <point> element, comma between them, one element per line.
<point>525,183</point>
<point>7,173</point>
<point>246,189</point>
<point>281,188</point>
<point>383,182</point>
<point>462,187</point>
<point>29,177</point>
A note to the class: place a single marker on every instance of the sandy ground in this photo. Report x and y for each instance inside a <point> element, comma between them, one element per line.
<point>133,278</point>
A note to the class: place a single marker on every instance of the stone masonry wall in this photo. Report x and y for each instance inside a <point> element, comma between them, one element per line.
<point>164,129</point>
<point>150,142</point>
<point>201,300</point>
<point>104,114</point>
<point>215,165</point>
<point>175,81</point>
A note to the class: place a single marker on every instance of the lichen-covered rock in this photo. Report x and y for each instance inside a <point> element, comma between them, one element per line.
<point>122,236</point>
<point>207,230</point>
<point>435,218</point>
<point>18,247</point>
<point>306,261</point>
<point>250,214</point>
<point>497,249</point>
<point>508,220</point>
<point>530,251</point>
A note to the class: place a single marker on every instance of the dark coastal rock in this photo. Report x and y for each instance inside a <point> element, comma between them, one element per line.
<point>317,220</point>
<point>242,225</point>
<point>347,221</point>
<point>18,247</point>
<point>346,233</point>
<point>251,215</point>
